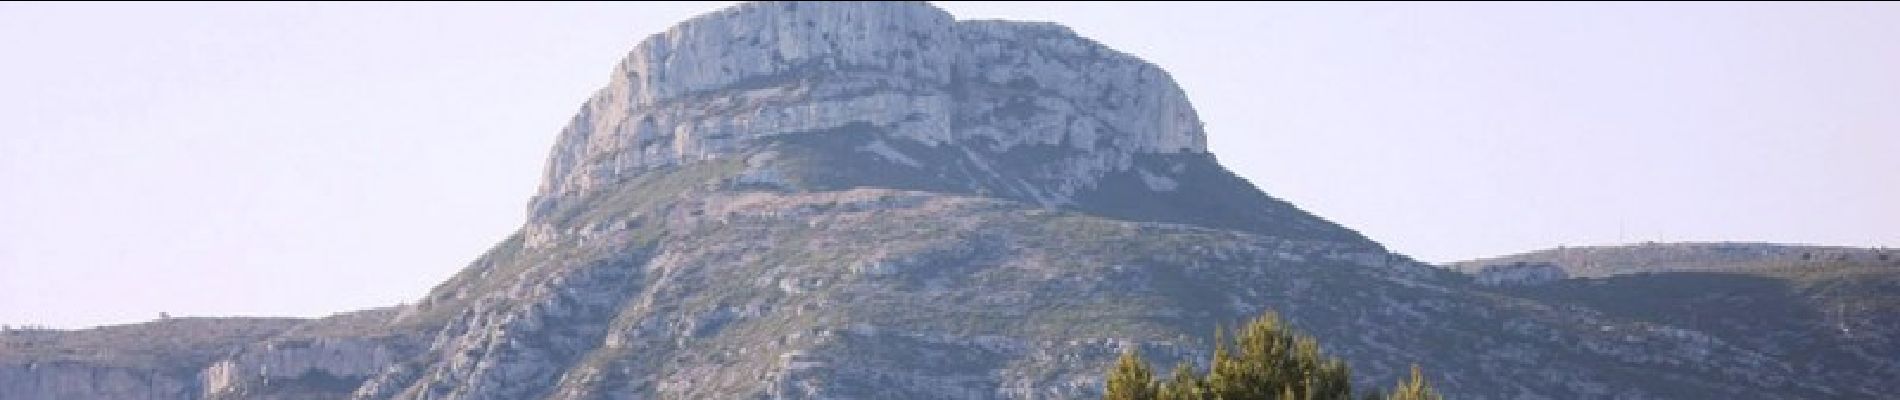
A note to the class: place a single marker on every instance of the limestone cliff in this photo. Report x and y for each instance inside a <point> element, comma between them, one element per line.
<point>716,84</point>
<point>281,368</point>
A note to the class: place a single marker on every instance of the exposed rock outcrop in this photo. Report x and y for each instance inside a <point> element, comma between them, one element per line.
<point>710,86</point>
<point>298,367</point>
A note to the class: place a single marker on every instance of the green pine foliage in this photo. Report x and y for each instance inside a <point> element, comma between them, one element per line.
<point>1131,379</point>
<point>1415,388</point>
<point>1183,386</point>
<point>1266,360</point>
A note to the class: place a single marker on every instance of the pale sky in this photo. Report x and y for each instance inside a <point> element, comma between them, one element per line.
<point>304,159</point>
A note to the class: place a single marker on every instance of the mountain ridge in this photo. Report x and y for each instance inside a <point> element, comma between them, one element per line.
<point>1648,257</point>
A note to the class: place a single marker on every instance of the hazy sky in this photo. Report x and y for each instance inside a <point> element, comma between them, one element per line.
<point>302,159</point>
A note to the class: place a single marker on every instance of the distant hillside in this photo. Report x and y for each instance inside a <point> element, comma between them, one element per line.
<point>1822,310</point>
<point>204,358</point>
<point>1603,261</point>
<point>1822,317</point>
<point>177,343</point>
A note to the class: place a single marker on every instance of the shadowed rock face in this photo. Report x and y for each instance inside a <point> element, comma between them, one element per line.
<point>875,200</point>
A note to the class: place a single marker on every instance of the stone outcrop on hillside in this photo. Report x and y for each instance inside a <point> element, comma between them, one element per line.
<point>710,86</point>
<point>340,363</point>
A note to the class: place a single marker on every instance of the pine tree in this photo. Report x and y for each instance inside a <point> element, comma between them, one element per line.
<point>1265,360</point>
<point>1415,388</point>
<point>1183,385</point>
<point>1269,360</point>
<point>1130,379</point>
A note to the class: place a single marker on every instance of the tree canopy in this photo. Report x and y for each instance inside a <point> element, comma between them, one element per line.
<point>1265,360</point>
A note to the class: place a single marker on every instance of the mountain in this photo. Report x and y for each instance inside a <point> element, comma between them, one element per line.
<point>876,200</point>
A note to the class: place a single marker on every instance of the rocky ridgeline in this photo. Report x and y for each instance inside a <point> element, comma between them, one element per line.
<point>1654,257</point>
<point>712,85</point>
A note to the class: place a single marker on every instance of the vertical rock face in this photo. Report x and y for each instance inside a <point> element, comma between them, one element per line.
<point>720,82</point>
<point>287,368</point>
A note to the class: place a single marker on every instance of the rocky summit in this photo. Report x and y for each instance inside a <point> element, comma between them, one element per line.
<point>877,200</point>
